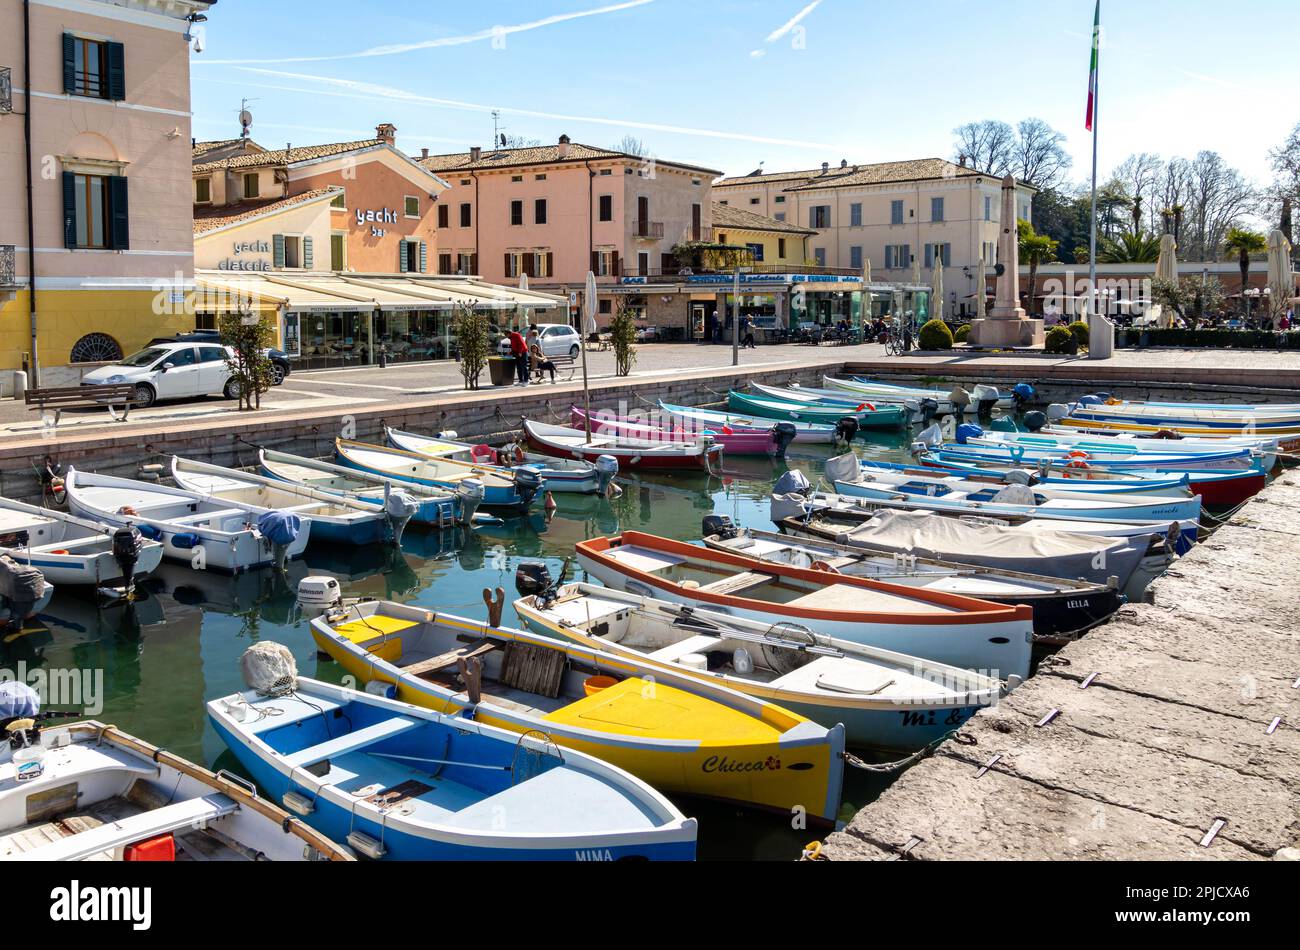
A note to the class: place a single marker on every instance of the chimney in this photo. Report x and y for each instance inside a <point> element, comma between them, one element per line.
<point>564,146</point>
<point>844,163</point>
<point>826,166</point>
<point>475,153</point>
<point>424,153</point>
<point>961,160</point>
<point>386,131</point>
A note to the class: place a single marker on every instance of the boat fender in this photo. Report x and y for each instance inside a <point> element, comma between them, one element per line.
<point>824,566</point>
<point>150,532</point>
<point>381,688</point>
<point>185,540</point>
<point>449,434</point>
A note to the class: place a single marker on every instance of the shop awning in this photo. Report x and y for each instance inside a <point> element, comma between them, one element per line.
<point>475,293</point>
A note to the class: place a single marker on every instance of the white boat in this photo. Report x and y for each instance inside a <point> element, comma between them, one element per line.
<point>435,507</point>
<point>885,700</point>
<point>1048,438</point>
<point>564,442</point>
<point>334,519</point>
<point>692,418</point>
<point>512,491</point>
<point>204,532</point>
<point>557,475</point>
<point>944,402</point>
<point>90,792</point>
<point>76,552</point>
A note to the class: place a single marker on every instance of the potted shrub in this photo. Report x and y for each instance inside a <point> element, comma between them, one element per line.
<point>470,328</point>
<point>1060,341</point>
<point>935,335</point>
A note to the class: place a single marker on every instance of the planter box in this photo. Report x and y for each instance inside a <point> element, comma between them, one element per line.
<point>501,370</point>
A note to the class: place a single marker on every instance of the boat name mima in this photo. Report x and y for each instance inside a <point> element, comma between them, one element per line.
<point>73,903</point>
<point>594,854</point>
<point>720,763</point>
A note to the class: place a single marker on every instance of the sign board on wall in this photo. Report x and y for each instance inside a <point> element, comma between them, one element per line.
<point>240,259</point>
<point>376,217</point>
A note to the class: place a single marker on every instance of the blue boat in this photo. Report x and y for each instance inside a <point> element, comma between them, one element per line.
<point>503,490</point>
<point>400,783</point>
<point>1174,484</point>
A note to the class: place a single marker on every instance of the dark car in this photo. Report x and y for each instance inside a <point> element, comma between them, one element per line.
<point>279,358</point>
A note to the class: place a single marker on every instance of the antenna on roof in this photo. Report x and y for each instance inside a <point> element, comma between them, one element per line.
<point>498,134</point>
<point>245,118</point>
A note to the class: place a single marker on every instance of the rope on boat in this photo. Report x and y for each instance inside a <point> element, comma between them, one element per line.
<point>1224,518</point>
<point>899,764</point>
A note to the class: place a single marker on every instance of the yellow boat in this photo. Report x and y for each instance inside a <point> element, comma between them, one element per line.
<point>677,733</point>
<point>1288,437</point>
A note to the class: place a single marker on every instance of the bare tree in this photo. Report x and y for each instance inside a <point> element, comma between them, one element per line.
<point>631,145</point>
<point>1038,155</point>
<point>518,141</point>
<point>1139,177</point>
<point>988,146</point>
<point>1218,198</point>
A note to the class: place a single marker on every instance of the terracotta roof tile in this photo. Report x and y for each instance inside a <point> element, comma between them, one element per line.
<point>535,155</point>
<point>879,173</point>
<point>278,156</point>
<point>738,219</point>
<point>213,218</point>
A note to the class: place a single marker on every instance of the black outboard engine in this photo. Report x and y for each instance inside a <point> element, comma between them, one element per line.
<point>783,433</point>
<point>1035,420</point>
<point>127,543</point>
<point>720,526</point>
<point>846,429</point>
<point>527,483</point>
<point>532,579</point>
<point>929,410</point>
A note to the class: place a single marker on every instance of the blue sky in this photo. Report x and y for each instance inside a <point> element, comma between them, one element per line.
<point>729,84</point>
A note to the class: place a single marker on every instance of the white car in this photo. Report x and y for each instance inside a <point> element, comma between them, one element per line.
<point>171,371</point>
<point>556,339</point>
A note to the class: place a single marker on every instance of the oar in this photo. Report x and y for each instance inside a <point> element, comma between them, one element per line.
<point>468,765</point>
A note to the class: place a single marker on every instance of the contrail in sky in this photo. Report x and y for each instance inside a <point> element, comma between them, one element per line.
<point>786,27</point>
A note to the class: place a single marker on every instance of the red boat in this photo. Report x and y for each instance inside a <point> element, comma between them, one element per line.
<point>734,443</point>
<point>703,454</point>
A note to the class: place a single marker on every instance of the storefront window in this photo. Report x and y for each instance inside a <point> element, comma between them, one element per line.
<point>334,339</point>
<point>415,335</point>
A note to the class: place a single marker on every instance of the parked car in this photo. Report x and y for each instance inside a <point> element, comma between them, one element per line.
<point>171,370</point>
<point>556,339</point>
<point>280,367</point>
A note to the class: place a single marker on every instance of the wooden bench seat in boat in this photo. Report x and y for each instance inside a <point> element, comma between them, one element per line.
<point>644,559</point>
<point>848,597</point>
<point>148,824</point>
<point>434,664</point>
<point>738,583</point>
<point>702,643</point>
<point>357,739</point>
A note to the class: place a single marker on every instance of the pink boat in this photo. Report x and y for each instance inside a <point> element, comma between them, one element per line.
<point>748,442</point>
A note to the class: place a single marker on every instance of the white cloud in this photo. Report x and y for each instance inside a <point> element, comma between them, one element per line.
<point>480,37</point>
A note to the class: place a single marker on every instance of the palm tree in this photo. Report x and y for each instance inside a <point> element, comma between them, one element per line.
<point>1035,249</point>
<point>1245,243</point>
<point>1130,248</point>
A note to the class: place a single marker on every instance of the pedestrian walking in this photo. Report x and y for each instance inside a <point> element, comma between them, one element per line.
<point>747,328</point>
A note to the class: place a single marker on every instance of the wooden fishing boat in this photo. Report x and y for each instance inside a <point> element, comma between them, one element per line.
<point>507,491</point>
<point>401,783</point>
<point>1172,485</point>
<point>690,417</point>
<point>99,794</point>
<point>563,442</point>
<point>948,628</point>
<point>880,417</point>
<point>1288,436</point>
<point>76,552</point>
<point>1265,450</point>
<point>1220,488</point>
<point>557,475</point>
<point>1117,459</point>
<point>1036,547</point>
<point>670,735</point>
<point>935,490</point>
<point>883,699</point>
<point>207,533</point>
<point>1063,607</point>
<point>334,519</point>
<point>943,400</point>
<point>746,442</point>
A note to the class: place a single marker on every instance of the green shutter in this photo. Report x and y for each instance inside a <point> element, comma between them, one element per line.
<point>277,250</point>
<point>69,64</point>
<point>119,214</point>
<point>424,258</point>
<point>69,209</point>
<point>306,252</point>
<point>116,71</point>
<point>401,256</point>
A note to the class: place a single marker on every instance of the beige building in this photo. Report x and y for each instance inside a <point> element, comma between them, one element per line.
<point>890,214</point>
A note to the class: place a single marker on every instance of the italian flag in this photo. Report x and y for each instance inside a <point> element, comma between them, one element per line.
<point>1092,72</point>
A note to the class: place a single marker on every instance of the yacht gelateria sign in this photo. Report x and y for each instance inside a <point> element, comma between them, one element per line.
<point>239,261</point>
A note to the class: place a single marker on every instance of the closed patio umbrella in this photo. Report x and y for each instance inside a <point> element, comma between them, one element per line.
<point>1167,269</point>
<point>589,305</point>
<point>981,291</point>
<point>936,289</point>
<point>1281,281</point>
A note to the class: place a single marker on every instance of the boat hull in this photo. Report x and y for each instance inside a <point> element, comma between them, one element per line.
<point>732,442</point>
<point>885,418</point>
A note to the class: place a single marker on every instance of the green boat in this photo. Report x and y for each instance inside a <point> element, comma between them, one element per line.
<point>881,417</point>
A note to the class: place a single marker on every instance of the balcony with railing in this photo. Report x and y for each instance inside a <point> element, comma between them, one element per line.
<point>648,230</point>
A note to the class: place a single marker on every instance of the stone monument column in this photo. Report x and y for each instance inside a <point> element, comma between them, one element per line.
<point>1007,324</point>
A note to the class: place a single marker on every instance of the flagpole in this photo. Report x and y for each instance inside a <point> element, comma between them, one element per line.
<point>1092,238</point>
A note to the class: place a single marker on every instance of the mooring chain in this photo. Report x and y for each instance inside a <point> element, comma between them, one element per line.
<point>956,735</point>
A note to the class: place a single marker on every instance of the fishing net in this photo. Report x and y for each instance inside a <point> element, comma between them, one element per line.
<point>269,669</point>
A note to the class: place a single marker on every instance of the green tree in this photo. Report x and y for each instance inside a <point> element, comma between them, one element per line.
<point>471,331</point>
<point>622,336</point>
<point>1129,248</point>
<point>1035,249</point>
<point>251,373</point>
<point>1244,243</point>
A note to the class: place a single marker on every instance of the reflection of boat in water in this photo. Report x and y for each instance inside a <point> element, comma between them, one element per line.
<point>232,594</point>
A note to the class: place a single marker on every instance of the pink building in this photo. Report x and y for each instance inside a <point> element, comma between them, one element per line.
<point>555,212</point>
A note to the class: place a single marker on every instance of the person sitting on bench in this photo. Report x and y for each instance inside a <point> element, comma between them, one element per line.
<point>540,363</point>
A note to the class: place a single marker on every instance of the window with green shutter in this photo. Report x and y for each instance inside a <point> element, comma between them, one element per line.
<point>96,213</point>
<point>402,262</point>
<point>338,256</point>
<point>424,258</point>
<point>277,250</point>
<point>308,256</point>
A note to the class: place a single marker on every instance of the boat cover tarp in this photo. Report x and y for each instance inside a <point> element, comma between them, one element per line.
<point>279,527</point>
<point>1054,553</point>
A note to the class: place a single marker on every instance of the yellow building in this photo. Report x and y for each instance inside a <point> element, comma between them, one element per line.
<point>772,244</point>
<point>103,258</point>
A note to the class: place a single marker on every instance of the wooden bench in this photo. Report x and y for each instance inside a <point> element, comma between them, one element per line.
<point>559,362</point>
<point>82,397</point>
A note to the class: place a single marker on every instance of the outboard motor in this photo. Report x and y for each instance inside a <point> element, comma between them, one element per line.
<point>127,544</point>
<point>1057,411</point>
<point>1022,394</point>
<point>793,482</point>
<point>527,483</point>
<point>1004,424</point>
<point>960,399</point>
<point>968,430</point>
<point>986,399</point>
<point>281,529</point>
<point>21,720</point>
<point>846,429</point>
<point>1091,400</point>
<point>470,495</point>
<point>318,595</point>
<point>719,526</point>
<point>1035,420</point>
<point>783,435</point>
<point>929,409</point>
<point>21,585</point>
<point>532,579</point>
<point>399,507</point>
<point>1166,434</point>
<point>931,436</point>
<point>606,469</point>
<point>17,701</point>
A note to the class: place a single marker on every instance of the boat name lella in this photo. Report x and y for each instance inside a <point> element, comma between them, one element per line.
<point>74,902</point>
<point>594,854</point>
<point>720,763</point>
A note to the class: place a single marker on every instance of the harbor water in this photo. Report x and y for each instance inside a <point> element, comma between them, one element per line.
<point>154,664</point>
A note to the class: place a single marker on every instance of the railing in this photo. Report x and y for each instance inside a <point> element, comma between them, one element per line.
<point>651,230</point>
<point>8,266</point>
<point>672,273</point>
